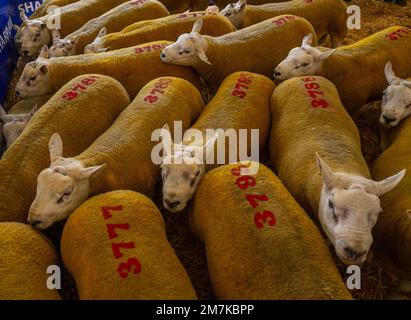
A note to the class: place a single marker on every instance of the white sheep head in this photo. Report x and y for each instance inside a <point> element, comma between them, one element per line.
<point>189,49</point>
<point>97,45</point>
<point>33,35</point>
<point>62,47</point>
<point>396,100</point>
<point>34,81</point>
<point>349,209</point>
<point>61,188</point>
<point>235,12</point>
<point>302,61</point>
<point>182,169</point>
<point>14,124</point>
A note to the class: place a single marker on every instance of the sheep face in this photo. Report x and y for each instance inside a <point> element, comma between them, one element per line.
<point>302,61</point>
<point>34,80</point>
<point>235,12</point>
<point>60,188</point>
<point>188,50</point>
<point>97,45</point>
<point>349,209</point>
<point>33,36</point>
<point>396,100</point>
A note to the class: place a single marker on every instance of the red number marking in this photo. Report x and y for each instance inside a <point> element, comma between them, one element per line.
<point>116,247</point>
<point>244,182</point>
<point>160,84</point>
<point>241,84</point>
<point>126,267</point>
<point>399,33</point>
<point>308,79</point>
<point>237,171</point>
<point>283,20</point>
<point>153,47</point>
<point>262,218</point>
<point>137,2</point>
<point>315,101</point>
<point>252,199</point>
<point>70,95</point>
<point>111,228</point>
<point>106,211</point>
<point>79,87</point>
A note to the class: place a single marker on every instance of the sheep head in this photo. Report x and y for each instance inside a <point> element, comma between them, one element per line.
<point>182,169</point>
<point>349,209</point>
<point>235,12</point>
<point>62,47</point>
<point>396,100</point>
<point>97,46</point>
<point>302,61</point>
<point>33,35</point>
<point>189,49</point>
<point>34,81</point>
<point>61,188</point>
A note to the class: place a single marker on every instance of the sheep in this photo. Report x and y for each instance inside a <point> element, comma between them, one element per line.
<point>48,5</point>
<point>113,20</point>
<point>35,33</point>
<point>216,58</point>
<point>133,67</point>
<point>333,15</point>
<point>167,28</point>
<point>25,258</point>
<point>362,61</point>
<point>14,124</point>
<point>26,105</point>
<point>259,243</point>
<point>115,247</point>
<point>396,101</point>
<point>231,109</point>
<point>345,200</point>
<point>80,112</point>
<point>392,232</point>
<point>124,151</point>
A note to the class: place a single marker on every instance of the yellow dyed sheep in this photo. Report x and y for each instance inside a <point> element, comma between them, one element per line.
<point>239,110</point>
<point>167,28</point>
<point>124,152</point>
<point>80,112</point>
<point>361,63</point>
<point>24,106</point>
<point>328,17</point>
<point>214,58</point>
<point>47,6</point>
<point>345,200</point>
<point>259,243</point>
<point>133,67</point>
<point>116,248</point>
<point>392,232</point>
<point>25,258</point>
<point>35,33</point>
<point>114,20</point>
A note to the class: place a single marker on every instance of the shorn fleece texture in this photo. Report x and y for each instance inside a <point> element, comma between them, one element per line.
<point>259,243</point>
<point>116,248</point>
<point>26,105</point>
<point>80,111</point>
<point>25,255</point>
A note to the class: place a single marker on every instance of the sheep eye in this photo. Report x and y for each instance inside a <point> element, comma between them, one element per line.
<point>194,179</point>
<point>64,196</point>
<point>187,51</point>
<point>228,14</point>
<point>409,106</point>
<point>304,65</point>
<point>331,205</point>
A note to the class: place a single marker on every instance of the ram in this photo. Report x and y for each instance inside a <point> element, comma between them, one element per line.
<point>396,102</point>
<point>259,243</point>
<point>26,256</point>
<point>362,62</point>
<point>328,17</point>
<point>14,124</point>
<point>35,33</point>
<point>239,109</point>
<point>132,67</point>
<point>392,232</point>
<point>48,6</point>
<point>344,200</point>
<point>114,20</point>
<point>167,28</point>
<point>80,113</point>
<point>214,58</point>
<point>124,151</point>
<point>116,248</point>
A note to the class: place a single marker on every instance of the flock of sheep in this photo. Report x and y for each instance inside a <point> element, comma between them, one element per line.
<point>119,70</point>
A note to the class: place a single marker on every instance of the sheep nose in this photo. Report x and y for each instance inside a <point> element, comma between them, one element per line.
<point>277,73</point>
<point>26,52</point>
<point>352,254</point>
<point>34,223</point>
<point>172,204</point>
<point>17,93</point>
<point>388,119</point>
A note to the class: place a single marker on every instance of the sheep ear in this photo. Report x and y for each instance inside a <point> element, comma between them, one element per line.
<point>201,54</point>
<point>16,27</point>
<point>325,171</point>
<point>23,16</point>
<point>3,112</point>
<point>55,147</point>
<point>390,75</point>
<point>86,173</point>
<point>197,26</point>
<point>102,33</point>
<point>307,41</point>
<point>386,185</point>
<point>45,52</point>
<point>166,140</point>
<point>56,35</point>
<point>324,55</point>
<point>406,83</point>
<point>43,68</point>
<point>242,4</point>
